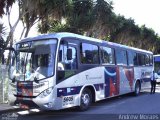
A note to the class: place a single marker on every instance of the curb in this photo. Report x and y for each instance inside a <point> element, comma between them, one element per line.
<point>12,109</point>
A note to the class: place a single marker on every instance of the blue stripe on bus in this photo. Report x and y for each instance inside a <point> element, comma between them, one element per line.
<point>75,90</point>
<point>146,79</point>
<point>68,91</point>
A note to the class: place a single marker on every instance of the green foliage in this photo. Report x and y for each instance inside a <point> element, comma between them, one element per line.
<point>2,33</point>
<point>103,11</point>
<point>95,18</point>
<point>5,5</point>
<point>2,42</point>
<point>90,17</point>
<point>56,26</point>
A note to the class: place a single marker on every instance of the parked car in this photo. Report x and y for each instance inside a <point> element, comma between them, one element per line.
<point>157,76</point>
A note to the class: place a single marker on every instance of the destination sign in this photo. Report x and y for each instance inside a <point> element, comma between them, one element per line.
<point>24,45</point>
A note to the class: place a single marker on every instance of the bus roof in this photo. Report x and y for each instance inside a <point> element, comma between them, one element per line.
<point>67,34</point>
<point>158,55</point>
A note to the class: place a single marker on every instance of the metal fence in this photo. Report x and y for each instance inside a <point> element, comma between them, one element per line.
<point>3,84</point>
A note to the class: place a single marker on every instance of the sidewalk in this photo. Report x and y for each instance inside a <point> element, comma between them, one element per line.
<point>7,107</point>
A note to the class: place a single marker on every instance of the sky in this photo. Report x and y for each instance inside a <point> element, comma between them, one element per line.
<point>144,12</point>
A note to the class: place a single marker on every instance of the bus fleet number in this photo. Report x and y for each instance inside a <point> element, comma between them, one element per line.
<point>68,99</point>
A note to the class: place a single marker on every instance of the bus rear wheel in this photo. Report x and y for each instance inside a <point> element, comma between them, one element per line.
<point>137,88</point>
<point>85,99</point>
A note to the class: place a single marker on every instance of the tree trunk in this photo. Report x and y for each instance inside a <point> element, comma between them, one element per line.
<point>3,59</point>
<point>22,32</point>
<point>27,31</point>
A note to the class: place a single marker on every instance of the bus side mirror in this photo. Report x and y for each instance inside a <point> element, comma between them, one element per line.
<point>69,54</point>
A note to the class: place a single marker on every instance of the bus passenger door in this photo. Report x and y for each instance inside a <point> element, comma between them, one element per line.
<point>111,74</point>
<point>67,62</point>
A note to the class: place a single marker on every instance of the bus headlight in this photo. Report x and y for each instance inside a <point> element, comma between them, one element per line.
<point>46,92</point>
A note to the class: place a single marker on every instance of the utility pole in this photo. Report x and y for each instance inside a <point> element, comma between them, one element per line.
<point>1,84</point>
<point>2,87</point>
<point>3,75</point>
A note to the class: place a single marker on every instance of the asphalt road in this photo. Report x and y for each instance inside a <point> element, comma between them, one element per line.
<point>146,106</point>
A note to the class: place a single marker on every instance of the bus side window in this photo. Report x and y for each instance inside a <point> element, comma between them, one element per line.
<point>141,59</point>
<point>147,59</point>
<point>89,53</point>
<point>132,58</point>
<point>121,57</point>
<point>107,55</point>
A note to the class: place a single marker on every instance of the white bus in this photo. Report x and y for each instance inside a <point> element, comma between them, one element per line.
<point>157,63</point>
<point>62,70</point>
<point>157,67</point>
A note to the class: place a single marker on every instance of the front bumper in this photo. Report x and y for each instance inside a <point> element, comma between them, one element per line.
<point>46,103</point>
<point>158,80</point>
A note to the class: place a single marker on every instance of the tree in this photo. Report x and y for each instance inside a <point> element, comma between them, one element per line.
<point>87,17</point>
<point>126,33</point>
<point>5,4</point>
<point>2,30</point>
<point>78,18</point>
<point>2,42</point>
<point>2,45</point>
<point>31,11</point>
<point>102,13</point>
<point>82,15</point>
<point>56,10</point>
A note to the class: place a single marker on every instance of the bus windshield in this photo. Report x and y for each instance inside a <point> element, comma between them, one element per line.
<point>34,60</point>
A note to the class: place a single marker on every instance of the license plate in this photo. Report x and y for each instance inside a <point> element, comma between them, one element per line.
<point>24,106</point>
<point>67,100</point>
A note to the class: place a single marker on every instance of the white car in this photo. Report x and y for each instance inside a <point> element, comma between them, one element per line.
<point>157,76</point>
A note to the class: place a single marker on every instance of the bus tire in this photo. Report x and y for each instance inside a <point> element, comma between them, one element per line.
<point>85,99</point>
<point>137,88</point>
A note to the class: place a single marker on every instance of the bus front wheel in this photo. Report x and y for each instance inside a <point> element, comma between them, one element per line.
<point>85,99</point>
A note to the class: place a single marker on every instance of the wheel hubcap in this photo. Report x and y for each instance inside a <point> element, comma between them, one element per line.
<point>85,99</point>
